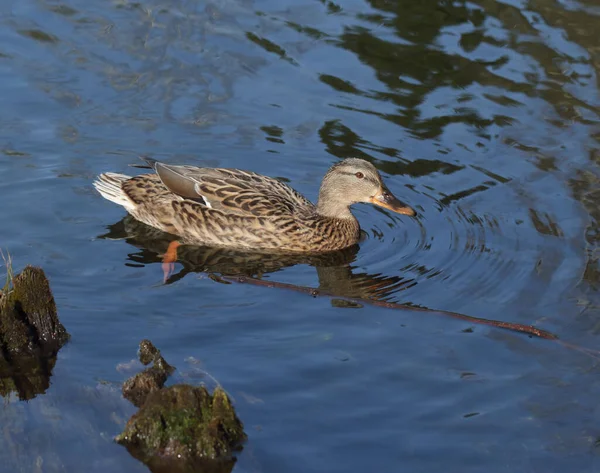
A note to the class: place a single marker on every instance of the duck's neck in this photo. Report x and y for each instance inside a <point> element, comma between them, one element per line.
<point>331,208</point>
<point>333,201</point>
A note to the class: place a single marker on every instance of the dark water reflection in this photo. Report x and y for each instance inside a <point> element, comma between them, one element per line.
<point>334,272</point>
<point>483,115</point>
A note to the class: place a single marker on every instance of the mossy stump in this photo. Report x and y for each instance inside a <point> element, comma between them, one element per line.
<point>30,334</point>
<point>137,388</point>
<point>181,427</point>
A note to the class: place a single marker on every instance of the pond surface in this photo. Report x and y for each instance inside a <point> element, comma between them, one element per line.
<point>482,115</point>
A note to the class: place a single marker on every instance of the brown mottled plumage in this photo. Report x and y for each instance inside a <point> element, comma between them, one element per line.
<point>235,208</point>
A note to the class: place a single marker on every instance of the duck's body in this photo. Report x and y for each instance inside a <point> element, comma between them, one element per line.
<point>235,208</point>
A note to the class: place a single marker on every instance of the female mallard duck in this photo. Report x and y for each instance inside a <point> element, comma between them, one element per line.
<point>230,207</point>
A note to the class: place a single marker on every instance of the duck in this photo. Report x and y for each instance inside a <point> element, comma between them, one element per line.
<point>242,209</point>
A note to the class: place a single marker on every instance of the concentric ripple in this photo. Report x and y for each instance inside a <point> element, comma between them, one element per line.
<point>452,254</point>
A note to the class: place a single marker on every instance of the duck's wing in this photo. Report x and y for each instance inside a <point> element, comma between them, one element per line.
<point>233,191</point>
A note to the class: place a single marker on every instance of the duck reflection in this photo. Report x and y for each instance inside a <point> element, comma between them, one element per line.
<point>334,270</point>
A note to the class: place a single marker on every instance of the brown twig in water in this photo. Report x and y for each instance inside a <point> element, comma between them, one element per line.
<point>515,327</point>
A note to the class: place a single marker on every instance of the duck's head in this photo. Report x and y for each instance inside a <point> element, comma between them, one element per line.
<point>355,180</point>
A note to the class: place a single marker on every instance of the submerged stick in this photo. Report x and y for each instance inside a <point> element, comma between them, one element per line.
<point>515,327</point>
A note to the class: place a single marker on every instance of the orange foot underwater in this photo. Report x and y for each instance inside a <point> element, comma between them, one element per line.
<point>169,259</point>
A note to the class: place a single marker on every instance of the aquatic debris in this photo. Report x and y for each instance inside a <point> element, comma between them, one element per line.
<point>179,428</point>
<point>30,333</point>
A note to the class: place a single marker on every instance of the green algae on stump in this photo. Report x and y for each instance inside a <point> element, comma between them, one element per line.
<point>181,428</point>
<point>184,422</point>
<point>30,334</point>
<point>30,300</point>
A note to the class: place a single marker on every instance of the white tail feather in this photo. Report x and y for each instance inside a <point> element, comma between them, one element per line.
<point>109,186</point>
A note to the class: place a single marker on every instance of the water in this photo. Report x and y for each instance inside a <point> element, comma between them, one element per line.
<point>482,115</point>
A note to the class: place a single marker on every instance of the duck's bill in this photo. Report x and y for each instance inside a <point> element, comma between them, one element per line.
<point>387,200</point>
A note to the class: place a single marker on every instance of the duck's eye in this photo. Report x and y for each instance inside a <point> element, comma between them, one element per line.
<point>360,175</point>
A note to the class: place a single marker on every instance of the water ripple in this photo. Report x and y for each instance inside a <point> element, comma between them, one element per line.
<point>455,249</point>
